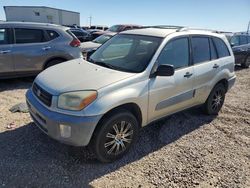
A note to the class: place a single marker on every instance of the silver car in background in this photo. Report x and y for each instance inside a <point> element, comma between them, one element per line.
<point>135,78</point>
<point>28,48</point>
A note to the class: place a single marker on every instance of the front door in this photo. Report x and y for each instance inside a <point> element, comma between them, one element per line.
<point>6,61</point>
<point>174,93</point>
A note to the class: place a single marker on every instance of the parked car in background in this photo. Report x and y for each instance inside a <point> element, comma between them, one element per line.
<point>240,43</point>
<point>133,79</point>
<point>28,48</point>
<point>81,34</point>
<point>116,29</point>
<point>99,27</point>
<point>89,47</point>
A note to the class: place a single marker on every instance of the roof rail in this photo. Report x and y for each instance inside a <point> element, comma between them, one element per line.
<point>165,27</point>
<point>193,28</point>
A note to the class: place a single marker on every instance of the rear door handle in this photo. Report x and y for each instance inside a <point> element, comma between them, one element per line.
<point>188,74</point>
<point>46,48</point>
<point>5,51</point>
<point>216,66</point>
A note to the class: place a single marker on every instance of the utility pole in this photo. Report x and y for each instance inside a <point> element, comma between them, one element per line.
<point>90,21</point>
<point>248,27</point>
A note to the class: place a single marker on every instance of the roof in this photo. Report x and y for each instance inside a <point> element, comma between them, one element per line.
<point>156,32</point>
<point>44,7</point>
<point>31,24</point>
<point>163,32</point>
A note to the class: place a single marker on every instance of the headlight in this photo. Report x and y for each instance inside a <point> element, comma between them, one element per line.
<point>76,100</point>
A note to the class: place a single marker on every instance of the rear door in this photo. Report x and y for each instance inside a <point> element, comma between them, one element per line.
<point>174,93</point>
<point>6,61</point>
<point>206,65</point>
<point>30,50</point>
<point>240,48</point>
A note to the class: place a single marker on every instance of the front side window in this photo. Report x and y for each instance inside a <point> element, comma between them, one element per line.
<point>129,53</point>
<point>175,53</point>
<point>115,28</point>
<point>243,39</point>
<point>4,36</point>
<point>200,49</point>
<point>221,47</point>
<point>29,36</point>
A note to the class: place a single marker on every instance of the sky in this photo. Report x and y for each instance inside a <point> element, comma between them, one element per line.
<point>227,15</point>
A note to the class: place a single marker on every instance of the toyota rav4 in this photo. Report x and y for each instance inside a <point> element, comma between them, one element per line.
<point>135,78</point>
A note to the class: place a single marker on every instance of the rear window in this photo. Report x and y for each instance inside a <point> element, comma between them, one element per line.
<point>52,34</point>
<point>221,47</point>
<point>200,48</point>
<point>29,36</point>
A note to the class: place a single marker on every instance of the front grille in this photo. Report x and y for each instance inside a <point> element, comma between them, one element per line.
<point>42,95</point>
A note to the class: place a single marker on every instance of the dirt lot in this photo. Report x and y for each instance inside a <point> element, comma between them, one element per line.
<point>186,150</point>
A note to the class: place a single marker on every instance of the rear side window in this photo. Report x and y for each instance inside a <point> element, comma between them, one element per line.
<point>200,49</point>
<point>175,53</point>
<point>29,36</point>
<point>4,36</point>
<point>221,47</point>
<point>243,39</point>
<point>52,34</point>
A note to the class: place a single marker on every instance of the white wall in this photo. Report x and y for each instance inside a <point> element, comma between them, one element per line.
<point>47,15</point>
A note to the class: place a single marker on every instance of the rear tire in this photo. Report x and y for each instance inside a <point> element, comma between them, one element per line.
<point>246,64</point>
<point>53,62</point>
<point>215,100</point>
<point>114,136</point>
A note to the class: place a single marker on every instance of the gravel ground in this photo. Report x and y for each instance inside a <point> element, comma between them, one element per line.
<point>188,149</point>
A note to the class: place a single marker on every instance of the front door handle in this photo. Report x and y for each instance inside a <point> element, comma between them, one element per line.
<point>188,75</point>
<point>46,48</point>
<point>216,66</point>
<point>5,51</point>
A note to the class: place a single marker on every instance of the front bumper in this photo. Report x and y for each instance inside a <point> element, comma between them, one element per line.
<point>81,128</point>
<point>231,82</point>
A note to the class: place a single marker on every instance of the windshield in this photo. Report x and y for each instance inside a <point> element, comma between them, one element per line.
<point>115,28</point>
<point>102,39</point>
<point>129,53</point>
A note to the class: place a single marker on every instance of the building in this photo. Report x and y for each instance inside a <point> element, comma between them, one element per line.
<point>41,14</point>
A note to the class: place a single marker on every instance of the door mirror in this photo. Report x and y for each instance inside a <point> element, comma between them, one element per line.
<point>232,44</point>
<point>165,70</point>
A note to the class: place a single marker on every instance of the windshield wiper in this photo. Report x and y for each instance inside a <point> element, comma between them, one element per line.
<point>101,63</point>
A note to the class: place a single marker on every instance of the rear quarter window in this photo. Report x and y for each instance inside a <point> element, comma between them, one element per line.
<point>221,47</point>
<point>52,34</point>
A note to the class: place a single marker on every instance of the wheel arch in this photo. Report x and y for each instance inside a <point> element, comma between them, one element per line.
<point>52,59</point>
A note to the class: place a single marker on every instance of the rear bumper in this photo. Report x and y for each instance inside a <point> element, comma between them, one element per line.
<point>81,128</point>
<point>231,82</point>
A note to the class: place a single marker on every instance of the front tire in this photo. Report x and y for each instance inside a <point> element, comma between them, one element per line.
<point>215,100</point>
<point>114,136</point>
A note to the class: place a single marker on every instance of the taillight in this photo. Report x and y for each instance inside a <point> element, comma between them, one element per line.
<point>75,43</point>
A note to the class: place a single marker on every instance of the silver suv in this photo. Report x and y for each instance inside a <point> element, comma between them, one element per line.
<point>28,48</point>
<point>135,78</point>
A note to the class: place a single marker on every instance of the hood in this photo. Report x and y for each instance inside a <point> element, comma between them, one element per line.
<point>78,75</point>
<point>86,46</point>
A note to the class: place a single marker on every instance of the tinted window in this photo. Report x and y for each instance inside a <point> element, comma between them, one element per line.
<point>243,39</point>
<point>52,34</point>
<point>78,33</point>
<point>29,36</point>
<point>4,38</point>
<point>248,39</point>
<point>200,48</point>
<point>221,47</point>
<point>213,52</point>
<point>175,53</point>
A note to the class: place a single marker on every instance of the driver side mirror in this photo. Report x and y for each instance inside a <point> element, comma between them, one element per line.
<point>165,70</point>
<point>232,44</point>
